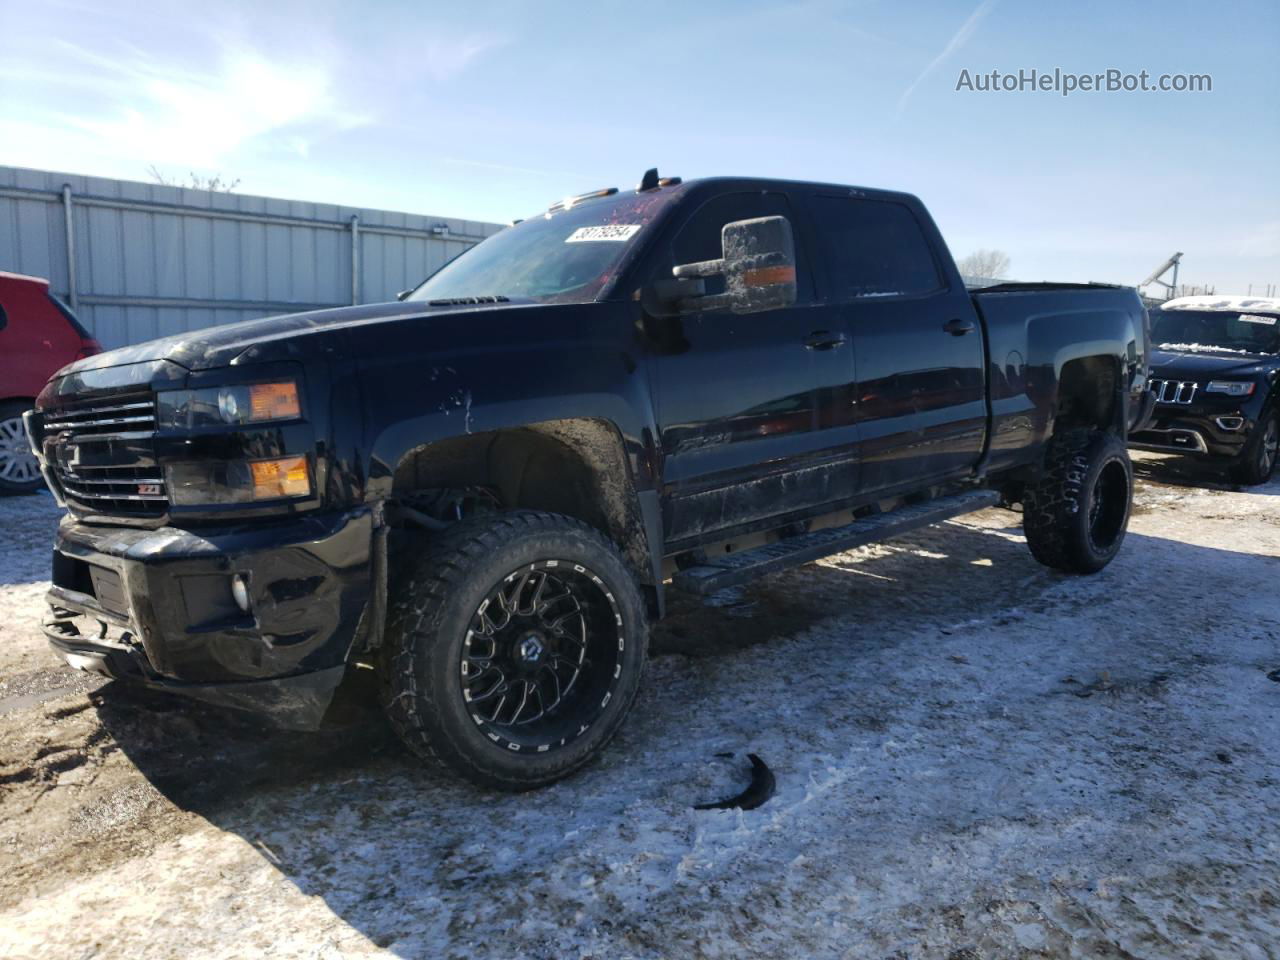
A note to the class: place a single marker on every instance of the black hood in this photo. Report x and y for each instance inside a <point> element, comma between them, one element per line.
<point>1210,364</point>
<point>270,338</point>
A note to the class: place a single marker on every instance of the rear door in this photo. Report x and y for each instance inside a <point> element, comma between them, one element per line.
<point>753,410</point>
<point>921,393</point>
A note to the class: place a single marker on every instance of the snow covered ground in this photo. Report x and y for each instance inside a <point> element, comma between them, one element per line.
<point>976,758</point>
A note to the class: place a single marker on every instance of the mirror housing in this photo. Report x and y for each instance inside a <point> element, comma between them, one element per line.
<point>758,266</point>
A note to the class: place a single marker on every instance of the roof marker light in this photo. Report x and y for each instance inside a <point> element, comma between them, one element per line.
<point>569,202</point>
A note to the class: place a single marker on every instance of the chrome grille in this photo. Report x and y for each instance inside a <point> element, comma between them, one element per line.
<point>1174,391</point>
<point>102,456</point>
<point>104,419</point>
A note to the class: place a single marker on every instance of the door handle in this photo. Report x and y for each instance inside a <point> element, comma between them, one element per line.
<point>958,328</point>
<point>823,340</point>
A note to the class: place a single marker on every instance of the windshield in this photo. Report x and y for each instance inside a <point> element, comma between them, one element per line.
<point>1222,331</point>
<point>568,256</point>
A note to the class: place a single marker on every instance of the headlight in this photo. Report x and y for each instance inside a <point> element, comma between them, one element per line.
<point>233,405</point>
<point>1232,388</point>
<point>238,481</point>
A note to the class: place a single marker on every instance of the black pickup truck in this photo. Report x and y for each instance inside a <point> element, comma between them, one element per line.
<point>483,492</point>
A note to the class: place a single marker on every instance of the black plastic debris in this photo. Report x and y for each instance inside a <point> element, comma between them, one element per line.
<point>760,789</point>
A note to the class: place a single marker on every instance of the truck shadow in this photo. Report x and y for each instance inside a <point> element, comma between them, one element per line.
<point>413,860</point>
<point>200,756</point>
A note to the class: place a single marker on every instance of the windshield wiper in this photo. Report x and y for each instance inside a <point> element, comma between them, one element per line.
<point>460,301</point>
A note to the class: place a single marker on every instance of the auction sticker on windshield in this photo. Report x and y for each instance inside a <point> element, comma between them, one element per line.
<point>1257,318</point>
<point>609,232</point>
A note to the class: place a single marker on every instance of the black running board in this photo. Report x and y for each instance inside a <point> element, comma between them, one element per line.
<point>733,569</point>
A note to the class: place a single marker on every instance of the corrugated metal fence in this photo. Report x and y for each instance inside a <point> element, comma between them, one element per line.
<point>141,260</point>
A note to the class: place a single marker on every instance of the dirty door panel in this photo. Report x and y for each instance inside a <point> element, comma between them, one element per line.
<point>748,410</point>
<point>921,393</point>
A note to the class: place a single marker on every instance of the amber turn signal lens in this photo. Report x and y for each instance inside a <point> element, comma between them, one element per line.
<point>768,276</point>
<point>287,477</point>
<point>274,401</point>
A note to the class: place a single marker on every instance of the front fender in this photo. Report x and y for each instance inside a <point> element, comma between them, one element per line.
<point>575,376</point>
<point>460,414</point>
<point>430,379</point>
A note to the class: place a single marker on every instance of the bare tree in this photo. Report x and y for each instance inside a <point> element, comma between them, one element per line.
<point>194,181</point>
<point>985,263</point>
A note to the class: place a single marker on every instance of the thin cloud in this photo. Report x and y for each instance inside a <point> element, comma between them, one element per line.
<point>957,41</point>
<point>446,59</point>
<point>170,114</point>
<point>214,95</point>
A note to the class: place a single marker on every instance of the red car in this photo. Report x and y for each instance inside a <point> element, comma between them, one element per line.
<point>38,337</point>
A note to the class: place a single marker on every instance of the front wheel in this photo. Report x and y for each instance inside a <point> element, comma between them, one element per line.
<point>1258,460</point>
<point>1076,514</point>
<point>514,648</point>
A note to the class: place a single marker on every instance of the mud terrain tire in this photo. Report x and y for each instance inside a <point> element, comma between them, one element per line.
<point>1076,514</point>
<point>444,646</point>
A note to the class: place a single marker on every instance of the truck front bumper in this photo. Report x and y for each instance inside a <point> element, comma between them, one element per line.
<point>260,617</point>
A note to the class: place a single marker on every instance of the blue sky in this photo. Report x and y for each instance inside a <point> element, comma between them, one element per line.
<point>492,110</point>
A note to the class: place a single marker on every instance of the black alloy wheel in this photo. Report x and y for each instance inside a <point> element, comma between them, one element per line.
<point>542,656</point>
<point>514,647</point>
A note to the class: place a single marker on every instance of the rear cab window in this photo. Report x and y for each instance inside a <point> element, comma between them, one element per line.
<point>873,248</point>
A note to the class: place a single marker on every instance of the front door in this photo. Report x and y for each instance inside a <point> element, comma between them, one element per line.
<point>754,410</point>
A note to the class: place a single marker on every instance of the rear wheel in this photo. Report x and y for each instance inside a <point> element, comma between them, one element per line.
<point>1076,514</point>
<point>19,471</point>
<point>514,648</point>
<point>1258,460</point>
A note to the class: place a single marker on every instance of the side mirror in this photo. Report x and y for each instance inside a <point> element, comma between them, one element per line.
<point>758,266</point>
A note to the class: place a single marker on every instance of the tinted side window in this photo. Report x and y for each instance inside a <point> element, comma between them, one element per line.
<point>699,238</point>
<point>873,247</point>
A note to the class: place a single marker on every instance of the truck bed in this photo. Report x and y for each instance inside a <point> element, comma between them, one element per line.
<point>1033,330</point>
